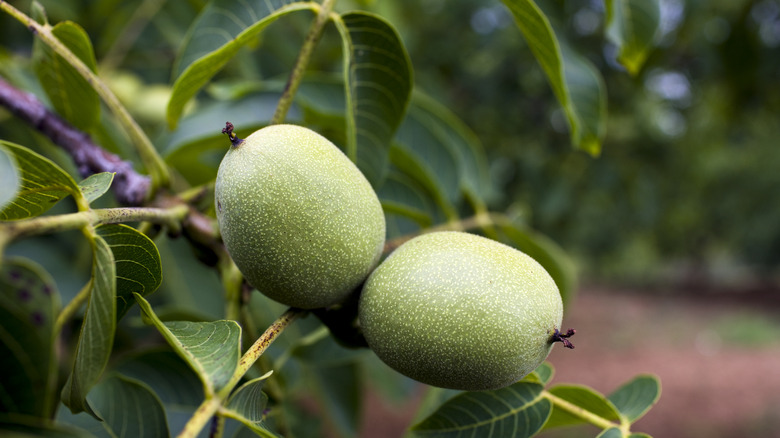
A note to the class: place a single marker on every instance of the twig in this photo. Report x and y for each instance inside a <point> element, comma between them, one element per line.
<point>129,187</point>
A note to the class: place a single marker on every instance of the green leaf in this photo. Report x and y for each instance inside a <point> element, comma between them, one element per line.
<point>612,432</point>
<point>319,347</point>
<point>97,331</point>
<point>43,184</point>
<point>167,374</point>
<point>633,26</point>
<point>378,85</point>
<point>215,37</point>
<point>197,146</point>
<point>128,408</point>
<point>138,265</point>
<point>210,348</point>
<point>339,388</point>
<point>9,178</point>
<point>583,397</point>
<point>552,258</point>
<point>518,410</point>
<point>72,96</point>
<point>29,303</point>
<point>415,166</point>
<point>634,398</point>
<point>577,85</point>
<point>248,405</point>
<point>472,164</point>
<point>25,430</point>
<point>542,374</point>
<point>95,186</point>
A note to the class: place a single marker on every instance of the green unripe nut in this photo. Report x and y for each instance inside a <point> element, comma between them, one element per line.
<point>460,311</point>
<point>298,218</point>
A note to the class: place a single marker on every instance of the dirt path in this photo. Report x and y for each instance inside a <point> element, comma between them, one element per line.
<point>716,355</point>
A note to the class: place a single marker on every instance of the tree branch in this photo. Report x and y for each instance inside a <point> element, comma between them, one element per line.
<point>129,187</point>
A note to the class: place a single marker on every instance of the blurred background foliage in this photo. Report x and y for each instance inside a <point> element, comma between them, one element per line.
<point>685,188</point>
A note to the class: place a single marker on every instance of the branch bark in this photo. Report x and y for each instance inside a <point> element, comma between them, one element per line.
<point>130,187</point>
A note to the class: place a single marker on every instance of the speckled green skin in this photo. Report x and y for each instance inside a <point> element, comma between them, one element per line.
<point>460,311</point>
<point>300,220</point>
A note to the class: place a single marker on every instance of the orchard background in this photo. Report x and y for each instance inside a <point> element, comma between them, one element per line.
<point>629,146</point>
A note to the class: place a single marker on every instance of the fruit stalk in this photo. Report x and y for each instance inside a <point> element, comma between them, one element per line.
<point>315,32</point>
<point>211,404</point>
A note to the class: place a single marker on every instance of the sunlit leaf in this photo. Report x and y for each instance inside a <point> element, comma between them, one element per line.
<point>128,408</point>
<point>96,185</point>
<point>582,397</point>
<point>138,265</point>
<point>551,256</point>
<point>633,26</point>
<point>29,303</point>
<point>378,77</point>
<point>97,331</point>
<point>577,85</point>
<point>518,410</point>
<point>210,348</point>
<point>215,37</point>
<point>542,374</point>
<point>43,184</point>
<point>634,398</point>
<point>9,178</point>
<point>248,405</point>
<point>72,96</point>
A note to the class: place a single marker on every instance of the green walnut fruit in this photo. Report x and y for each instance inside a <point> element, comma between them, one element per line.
<point>298,218</point>
<point>460,311</point>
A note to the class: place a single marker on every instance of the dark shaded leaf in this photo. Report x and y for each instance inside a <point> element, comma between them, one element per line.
<point>29,304</point>
<point>248,404</point>
<point>378,77</point>
<point>138,265</point>
<point>339,389</point>
<point>128,408</point>
<point>97,331</point>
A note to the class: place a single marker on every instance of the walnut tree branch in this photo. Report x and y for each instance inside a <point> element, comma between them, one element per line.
<point>129,187</point>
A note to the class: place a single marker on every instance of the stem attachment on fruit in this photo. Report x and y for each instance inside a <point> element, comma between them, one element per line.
<point>234,140</point>
<point>563,338</point>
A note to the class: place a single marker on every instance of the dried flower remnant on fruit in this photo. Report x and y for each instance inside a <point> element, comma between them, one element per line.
<point>563,338</point>
<point>234,140</point>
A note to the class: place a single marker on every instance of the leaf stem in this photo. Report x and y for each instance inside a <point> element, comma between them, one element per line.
<point>75,304</point>
<point>49,224</point>
<point>579,412</point>
<point>315,32</point>
<point>211,405</point>
<point>146,150</point>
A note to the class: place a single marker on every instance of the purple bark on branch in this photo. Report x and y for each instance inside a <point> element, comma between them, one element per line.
<point>130,187</point>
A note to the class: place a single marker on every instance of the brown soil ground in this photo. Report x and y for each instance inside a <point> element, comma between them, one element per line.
<point>717,355</point>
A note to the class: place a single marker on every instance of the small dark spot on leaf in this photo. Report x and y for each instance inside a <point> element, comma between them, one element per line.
<point>24,295</point>
<point>37,319</point>
<point>47,289</point>
<point>15,275</point>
